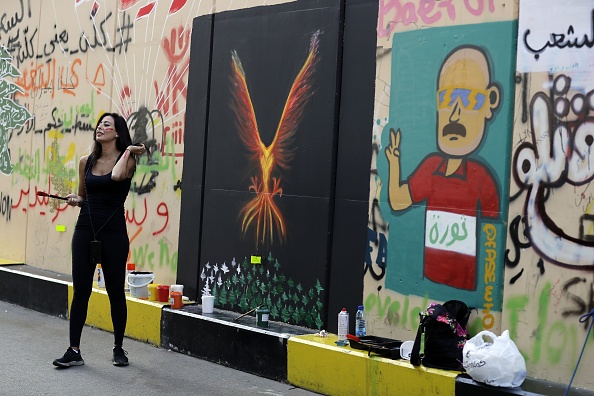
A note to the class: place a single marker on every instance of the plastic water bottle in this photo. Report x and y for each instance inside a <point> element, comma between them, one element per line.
<point>360,329</point>
<point>343,325</point>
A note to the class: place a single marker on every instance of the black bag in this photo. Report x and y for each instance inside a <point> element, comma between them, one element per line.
<point>385,347</point>
<point>441,336</point>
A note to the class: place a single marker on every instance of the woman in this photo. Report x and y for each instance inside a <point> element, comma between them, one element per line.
<point>100,235</point>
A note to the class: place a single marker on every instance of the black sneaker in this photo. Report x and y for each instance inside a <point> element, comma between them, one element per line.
<point>70,358</point>
<point>119,356</point>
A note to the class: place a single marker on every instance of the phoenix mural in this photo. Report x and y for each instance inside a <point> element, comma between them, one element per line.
<point>262,213</point>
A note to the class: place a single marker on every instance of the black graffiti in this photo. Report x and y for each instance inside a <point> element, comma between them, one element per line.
<point>150,184</point>
<point>562,40</point>
<point>586,219</point>
<point>516,277</point>
<point>541,266</point>
<point>580,306</point>
<point>177,186</point>
<point>100,38</point>
<point>5,206</point>
<point>142,121</point>
<point>514,233</point>
<point>7,23</point>
<point>381,246</point>
<point>57,42</point>
<point>23,48</point>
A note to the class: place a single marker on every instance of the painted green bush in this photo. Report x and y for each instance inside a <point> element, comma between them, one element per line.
<point>242,287</point>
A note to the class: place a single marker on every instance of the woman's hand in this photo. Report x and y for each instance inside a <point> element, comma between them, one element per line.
<point>137,149</point>
<point>74,200</point>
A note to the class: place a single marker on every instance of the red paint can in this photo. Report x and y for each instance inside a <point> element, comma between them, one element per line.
<point>163,293</point>
<point>176,300</point>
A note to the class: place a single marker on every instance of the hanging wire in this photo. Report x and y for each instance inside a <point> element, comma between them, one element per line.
<point>589,316</point>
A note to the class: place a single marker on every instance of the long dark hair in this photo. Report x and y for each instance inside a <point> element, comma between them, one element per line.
<point>123,140</point>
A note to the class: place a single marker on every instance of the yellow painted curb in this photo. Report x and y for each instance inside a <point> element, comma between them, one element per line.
<point>319,365</point>
<point>144,317</point>
<point>4,261</point>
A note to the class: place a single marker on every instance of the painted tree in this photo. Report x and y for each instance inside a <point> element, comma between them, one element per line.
<point>12,115</point>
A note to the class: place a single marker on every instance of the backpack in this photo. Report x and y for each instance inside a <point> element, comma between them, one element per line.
<point>441,336</point>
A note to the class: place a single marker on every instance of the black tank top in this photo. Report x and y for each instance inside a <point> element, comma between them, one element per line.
<point>105,198</point>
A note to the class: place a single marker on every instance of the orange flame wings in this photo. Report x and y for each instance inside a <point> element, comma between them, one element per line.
<point>262,211</point>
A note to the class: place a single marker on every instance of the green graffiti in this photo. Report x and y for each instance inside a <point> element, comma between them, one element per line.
<point>394,312</point>
<point>144,258</point>
<point>512,307</point>
<point>543,305</point>
<point>164,257</point>
<point>28,166</point>
<point>70,118</point>
<point>557,333</point>
<point>13,115</point>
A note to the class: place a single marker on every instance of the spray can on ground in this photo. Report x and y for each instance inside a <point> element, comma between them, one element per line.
<point>343,325</point>
<point>100,277</point>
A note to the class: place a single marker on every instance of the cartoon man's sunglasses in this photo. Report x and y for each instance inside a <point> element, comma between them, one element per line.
<point>471,99</point>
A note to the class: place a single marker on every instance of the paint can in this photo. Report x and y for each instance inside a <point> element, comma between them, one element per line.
<point>138,282</point>
<point>176,288</point>
<point>163,293</point>
<point>262,315</point>
<point>176,300</point>
<point>152,290</point>
<point>130,267</point>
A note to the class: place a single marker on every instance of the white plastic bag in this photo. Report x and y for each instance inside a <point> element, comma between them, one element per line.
<point>496,363</point>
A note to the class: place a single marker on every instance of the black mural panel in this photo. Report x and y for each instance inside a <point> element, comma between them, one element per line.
<point>195,142</point>
<point>269,190</point>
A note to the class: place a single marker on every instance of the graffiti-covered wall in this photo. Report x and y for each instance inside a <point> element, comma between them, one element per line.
<point>477,148</point>
<point>62,65</point>
<point>438,202</point>
<point>550,259</point>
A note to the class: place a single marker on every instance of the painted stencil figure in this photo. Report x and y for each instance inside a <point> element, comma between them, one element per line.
<point>262,212</point>
<point>455,188</point>
<point>104,182</point>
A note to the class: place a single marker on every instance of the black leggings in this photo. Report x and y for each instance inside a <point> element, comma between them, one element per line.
<point>114,253</point>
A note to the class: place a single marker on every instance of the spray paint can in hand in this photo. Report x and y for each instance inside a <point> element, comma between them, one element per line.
<point>343,325</point>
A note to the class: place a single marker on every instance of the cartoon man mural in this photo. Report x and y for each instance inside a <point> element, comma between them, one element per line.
<point>455,188</point>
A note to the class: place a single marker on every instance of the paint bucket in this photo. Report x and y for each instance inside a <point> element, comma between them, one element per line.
<point>207,304</point>
<point>262,315</point>
<point>152,290</point>
<point>176,288</point>
<point>130,267</point>
<point>163,293</point>
<point>138,282</point>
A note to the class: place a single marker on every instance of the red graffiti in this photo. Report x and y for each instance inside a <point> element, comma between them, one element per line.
<point>126,4</point>
<point>127,106</point>
<point>163,211</point>
<point>176,132</point>
<point>176,5</point>
<point>145,10</point>
<point>131,217</point>
<point>175,49</point>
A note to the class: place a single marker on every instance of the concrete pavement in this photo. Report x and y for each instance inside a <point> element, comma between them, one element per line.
<point>30,341</point>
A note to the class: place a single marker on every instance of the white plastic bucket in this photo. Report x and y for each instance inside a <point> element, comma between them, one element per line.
<point>138,282</point>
